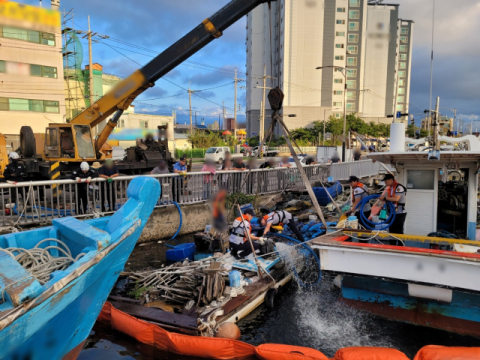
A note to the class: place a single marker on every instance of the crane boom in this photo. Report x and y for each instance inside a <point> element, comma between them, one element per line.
<point>125,92</point>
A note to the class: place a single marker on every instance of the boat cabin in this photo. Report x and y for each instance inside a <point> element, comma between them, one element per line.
<point>441,193</point>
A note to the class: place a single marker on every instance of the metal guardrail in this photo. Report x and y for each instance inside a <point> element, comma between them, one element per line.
<point>361,169</point>
<point>40,202</point>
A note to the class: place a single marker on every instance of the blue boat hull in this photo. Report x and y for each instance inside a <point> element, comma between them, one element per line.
<point>391,300</point>
<point>56,324</point>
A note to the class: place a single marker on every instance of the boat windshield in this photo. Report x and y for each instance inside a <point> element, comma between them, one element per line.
<point>84,141</point>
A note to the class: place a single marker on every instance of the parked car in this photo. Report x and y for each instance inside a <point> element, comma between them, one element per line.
<point>218,154</point>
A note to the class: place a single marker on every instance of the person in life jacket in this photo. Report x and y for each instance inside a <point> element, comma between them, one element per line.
<point>239,243</point>
<point>219,210</point>
<point>396,193</point>
<point>359,192</point>
<point>280,218</point>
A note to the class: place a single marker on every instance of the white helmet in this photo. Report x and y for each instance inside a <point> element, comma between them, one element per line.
<point>84,166</point>
<point>13,155</point>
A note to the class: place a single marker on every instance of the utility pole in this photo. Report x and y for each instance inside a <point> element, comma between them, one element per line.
<point>235,105</point>
<point>455,119</point>
<point>436,123</point>
<point>261,132</point>
<point>190,92</point>
<point>224,116</point>
<point>471,125</point>
<point>90,63</point>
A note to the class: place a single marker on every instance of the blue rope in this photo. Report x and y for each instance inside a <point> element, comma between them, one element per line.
<point>302,284</point>
<point>372,225</point>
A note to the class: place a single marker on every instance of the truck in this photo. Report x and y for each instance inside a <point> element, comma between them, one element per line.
<point>63,147</point>
<point>266,152</point>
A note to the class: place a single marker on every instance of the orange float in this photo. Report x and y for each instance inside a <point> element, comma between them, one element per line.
<point>287,352</point>
<point>225,349</point>
<point>434,352</point>
<point>369,353</point>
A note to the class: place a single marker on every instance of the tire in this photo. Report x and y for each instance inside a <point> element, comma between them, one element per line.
<point>270,298</point>
<point>220,161</point>
<point>27,142</point>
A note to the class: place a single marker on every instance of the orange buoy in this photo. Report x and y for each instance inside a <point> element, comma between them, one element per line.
<point>369,353</point>
<point>287,352</point>
<point>434,352</point>
<point>228,331</point>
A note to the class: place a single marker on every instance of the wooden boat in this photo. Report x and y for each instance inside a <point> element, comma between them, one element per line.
<point>52,320</point>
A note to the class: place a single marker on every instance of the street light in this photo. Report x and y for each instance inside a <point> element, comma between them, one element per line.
<point>324,120</point>
<point>344,73</point>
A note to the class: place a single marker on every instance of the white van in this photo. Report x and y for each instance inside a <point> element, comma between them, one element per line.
<point>217,154</point>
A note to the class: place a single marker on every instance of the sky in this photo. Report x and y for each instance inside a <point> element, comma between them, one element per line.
<point>140,29</point>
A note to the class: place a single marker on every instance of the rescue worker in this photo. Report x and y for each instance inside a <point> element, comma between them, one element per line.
<point>359,192</point>
<point>280,218</point>
<point>396,193</point>
<point>14,172</point>
<point>85,172</point>
<point>238,239</point>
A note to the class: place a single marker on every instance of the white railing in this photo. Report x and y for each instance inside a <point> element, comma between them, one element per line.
<point>361,169</point>
<point>39,202</point>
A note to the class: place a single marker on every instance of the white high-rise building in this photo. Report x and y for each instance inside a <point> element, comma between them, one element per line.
<point>368,39</point>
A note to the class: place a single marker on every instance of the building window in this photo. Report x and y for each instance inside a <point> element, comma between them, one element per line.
<point>337,92</point>
<point>354,14</point>
<point>351,95</point>
<point>353,38</point>
<point>401,82</point>
<point>404,39</point>
<point>3,66</point>
<point>403,65</point>
<point>338,115</point>
<point>32,36</point>
<point>354,3</point>
<point>340,33</point>
<point>341,10</point>
<point>351,107</point>
<point>402,73</point>
<point>340,22</point>
<point>401,99</point>
<point>351,61</point>
<point>338,81</point>
<point>43,71</point>
<point>399,107</point>
<point>353,26</point>
<point>401,91</point>
<point>143,124</point>
<point>403,57</point>
<point>404,31</point>
<point>338,57</point>
<point>339,46</point>
<point>352,49</point>
<point>337,103</point>
<point>351,84</point>
<point>351,73</point>
<point>10,104</point>
<point>403,48</point>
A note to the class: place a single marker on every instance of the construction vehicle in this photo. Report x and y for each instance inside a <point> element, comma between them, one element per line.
<point>64,146</point>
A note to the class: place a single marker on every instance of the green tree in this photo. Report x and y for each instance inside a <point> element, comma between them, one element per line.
<point>335,127</point>
<point>204,140</point>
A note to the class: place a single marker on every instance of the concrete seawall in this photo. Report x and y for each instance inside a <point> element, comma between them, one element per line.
<point>163,223</point>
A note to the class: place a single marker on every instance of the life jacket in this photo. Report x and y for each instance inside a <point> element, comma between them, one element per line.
<point>241,226</point>
<point>393,190</point>
<point>281,216</point>
<point>359,185</point>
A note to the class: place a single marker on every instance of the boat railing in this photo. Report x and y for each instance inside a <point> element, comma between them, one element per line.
<point>39,202</point>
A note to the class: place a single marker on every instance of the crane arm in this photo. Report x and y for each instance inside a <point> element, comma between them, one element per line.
<point>123,94</point>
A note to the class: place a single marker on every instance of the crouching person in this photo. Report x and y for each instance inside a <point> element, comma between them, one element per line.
<point>239,244</point>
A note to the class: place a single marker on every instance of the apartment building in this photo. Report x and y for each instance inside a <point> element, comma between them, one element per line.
<point>364,40</point>
<point>31,68</point>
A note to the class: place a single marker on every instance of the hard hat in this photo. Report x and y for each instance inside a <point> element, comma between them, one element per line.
<point>84,166</point>
<point>13,155</point>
